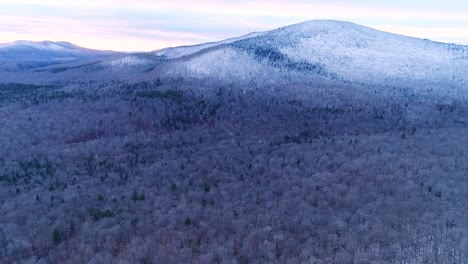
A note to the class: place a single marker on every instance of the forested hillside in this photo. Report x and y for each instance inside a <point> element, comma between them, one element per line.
<point>198,172</point>
<point>322,142</point>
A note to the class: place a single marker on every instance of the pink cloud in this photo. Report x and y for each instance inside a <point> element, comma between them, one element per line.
<point>116,24</point>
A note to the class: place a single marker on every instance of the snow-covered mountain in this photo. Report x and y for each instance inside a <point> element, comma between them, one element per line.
<point>322,142</point>
<point>24,55</point>
<point>318,49</point>
<point>46,50</point>
<point>331,49</point>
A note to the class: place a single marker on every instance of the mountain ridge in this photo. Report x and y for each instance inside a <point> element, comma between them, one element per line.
<point>25,55</point>
<point>46,44</point>
<point>332,49</point>
<point>47,51</point>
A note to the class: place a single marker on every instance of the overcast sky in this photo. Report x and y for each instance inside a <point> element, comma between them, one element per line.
<point>143,25</point>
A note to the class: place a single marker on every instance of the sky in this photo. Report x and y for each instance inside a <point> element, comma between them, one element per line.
<point>144,25</point>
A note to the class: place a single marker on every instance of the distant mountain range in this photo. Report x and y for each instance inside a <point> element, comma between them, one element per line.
<point>26,55</point>
<point>23,50</point>
<point>324,49</point>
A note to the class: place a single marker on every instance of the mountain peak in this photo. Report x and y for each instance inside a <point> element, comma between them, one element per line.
<point>320,27</point>
<point>325,23</point>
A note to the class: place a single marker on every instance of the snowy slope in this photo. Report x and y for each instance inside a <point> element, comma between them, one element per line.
<point>130,60</point>
<point>332,49</point>
<point>230,64</point>
<point>363,54</point>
